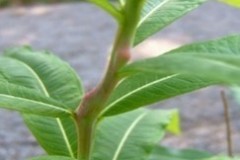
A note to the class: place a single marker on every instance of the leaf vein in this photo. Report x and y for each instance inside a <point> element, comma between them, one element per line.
<point>127,134</point>
<point>65,137</point>
<point>136,90</point>
<point>47,94</point>
<point>151,12</point>
<point>24,99</point>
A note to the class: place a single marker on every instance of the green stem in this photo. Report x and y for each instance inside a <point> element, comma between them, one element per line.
<point>94,101</point>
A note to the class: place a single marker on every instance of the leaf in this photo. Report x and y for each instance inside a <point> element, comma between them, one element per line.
<point>52,158</point>
<point>226,46</point>
<point>157,14</point>
<point>174,125</point>
<point>163,153</point>
<point>27,100</point>
<point>49,74</point>
<point>235,3</point>
<point>147,88</point>
<point>146,85</point>
<point>52,78</point>
<point>215,65</point>
<point>56,136</point>
<point>131,135</point>
<point>223,158</point>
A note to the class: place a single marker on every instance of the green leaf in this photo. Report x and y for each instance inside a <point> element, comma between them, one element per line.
<point>226,46</point>
<point>216,64</point>
<point>54,79</point>
<point>147,88</point>
<point>131,135</point>
<point>174,125</point>
<point>26,100</point>
<point>223,158</point>
<point>52,158</point>
<point>47,73</point>
<point>235,3</point>
<point>56,136</point>
<point>146,85</point>
<point>158,14</point>
<point>163,153</point>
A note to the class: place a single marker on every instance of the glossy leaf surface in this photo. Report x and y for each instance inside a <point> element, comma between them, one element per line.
<point>131,135</point>
<point>157,14</point>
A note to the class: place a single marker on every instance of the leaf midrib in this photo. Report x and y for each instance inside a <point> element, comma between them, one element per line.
<point>151,12</point>
<point>127,134</point>
<point>37,102</point>
<point>136,90</point>
<point>65,137</point>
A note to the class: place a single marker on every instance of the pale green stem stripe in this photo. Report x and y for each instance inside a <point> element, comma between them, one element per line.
<point>126,135</point>
<point>151,12</point>
<point>65,137</point>
<point>137,90</point>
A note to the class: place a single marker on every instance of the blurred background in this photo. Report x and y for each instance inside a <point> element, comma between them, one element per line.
<point>6,3</point>
<point>82,35</point>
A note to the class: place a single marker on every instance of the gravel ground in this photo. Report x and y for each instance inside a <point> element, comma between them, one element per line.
<point>81,34</point>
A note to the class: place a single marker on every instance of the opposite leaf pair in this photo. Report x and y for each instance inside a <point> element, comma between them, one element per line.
<point>61,131</point>
<point>31,79</point>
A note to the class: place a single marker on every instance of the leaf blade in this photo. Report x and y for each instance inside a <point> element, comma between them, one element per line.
<point>57,132</point>
<point>130,139</point>
<point>52,158</point>
<point>221,64</point>
<point>157,14</point>
<point>10,95</point>
<point>149,85</point>
<point>165,153</point>
<point>54,79</point>
<point>147,88</point>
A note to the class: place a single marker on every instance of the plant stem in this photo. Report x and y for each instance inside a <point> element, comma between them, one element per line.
<point>94,101</point>
<point>228,124</point>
